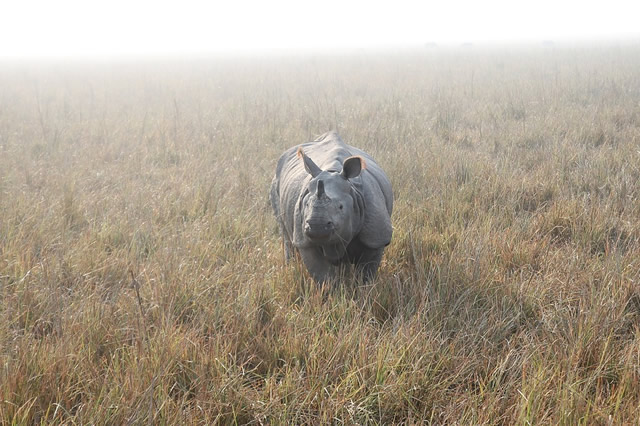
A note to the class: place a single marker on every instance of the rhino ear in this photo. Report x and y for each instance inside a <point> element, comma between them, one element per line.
<point>309,165</point>
<point>353,166</point>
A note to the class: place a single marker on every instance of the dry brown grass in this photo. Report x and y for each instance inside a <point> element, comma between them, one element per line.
<point>141,274</point>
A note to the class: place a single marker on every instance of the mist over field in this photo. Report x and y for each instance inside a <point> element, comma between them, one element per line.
<point>142,276</point>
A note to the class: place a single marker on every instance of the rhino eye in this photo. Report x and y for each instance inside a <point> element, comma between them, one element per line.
<point>340,206</point>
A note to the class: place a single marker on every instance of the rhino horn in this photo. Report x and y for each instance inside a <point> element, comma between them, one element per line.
<point>320,188</point>
<point>309,165</point>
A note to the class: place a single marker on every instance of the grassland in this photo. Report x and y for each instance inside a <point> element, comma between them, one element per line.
<point>142,277</point>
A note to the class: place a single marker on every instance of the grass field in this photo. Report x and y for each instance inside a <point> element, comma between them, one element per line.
<point>142,276</point>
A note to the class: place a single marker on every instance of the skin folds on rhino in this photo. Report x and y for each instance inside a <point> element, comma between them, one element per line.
<point>333,204</point>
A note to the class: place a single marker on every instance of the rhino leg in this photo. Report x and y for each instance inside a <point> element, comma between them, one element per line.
<point>286,240</point>
<point>320,269</point>
<point>369,263</point>
<point>288,247</point>
<point>367,260</point>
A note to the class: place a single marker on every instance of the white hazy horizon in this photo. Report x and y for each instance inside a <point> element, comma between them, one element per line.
<point>85,28</point>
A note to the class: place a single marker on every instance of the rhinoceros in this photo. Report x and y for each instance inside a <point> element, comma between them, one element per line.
<point>333,204</point>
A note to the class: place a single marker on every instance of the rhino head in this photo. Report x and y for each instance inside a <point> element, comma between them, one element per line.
<point>331,209</point>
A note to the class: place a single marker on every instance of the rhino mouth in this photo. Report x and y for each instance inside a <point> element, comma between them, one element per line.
<point>318,230</point>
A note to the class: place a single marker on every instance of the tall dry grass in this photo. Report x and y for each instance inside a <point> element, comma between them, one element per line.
<point>141,274</point>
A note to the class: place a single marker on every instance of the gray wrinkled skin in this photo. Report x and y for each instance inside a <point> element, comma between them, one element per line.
<point>333,204</point>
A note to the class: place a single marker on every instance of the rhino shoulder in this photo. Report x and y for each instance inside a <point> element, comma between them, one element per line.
<point>378,202</point>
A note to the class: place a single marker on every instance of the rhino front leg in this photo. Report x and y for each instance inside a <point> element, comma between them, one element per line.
<point>368,262</point>
<point>287,247</point>
<point>320,269</point>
